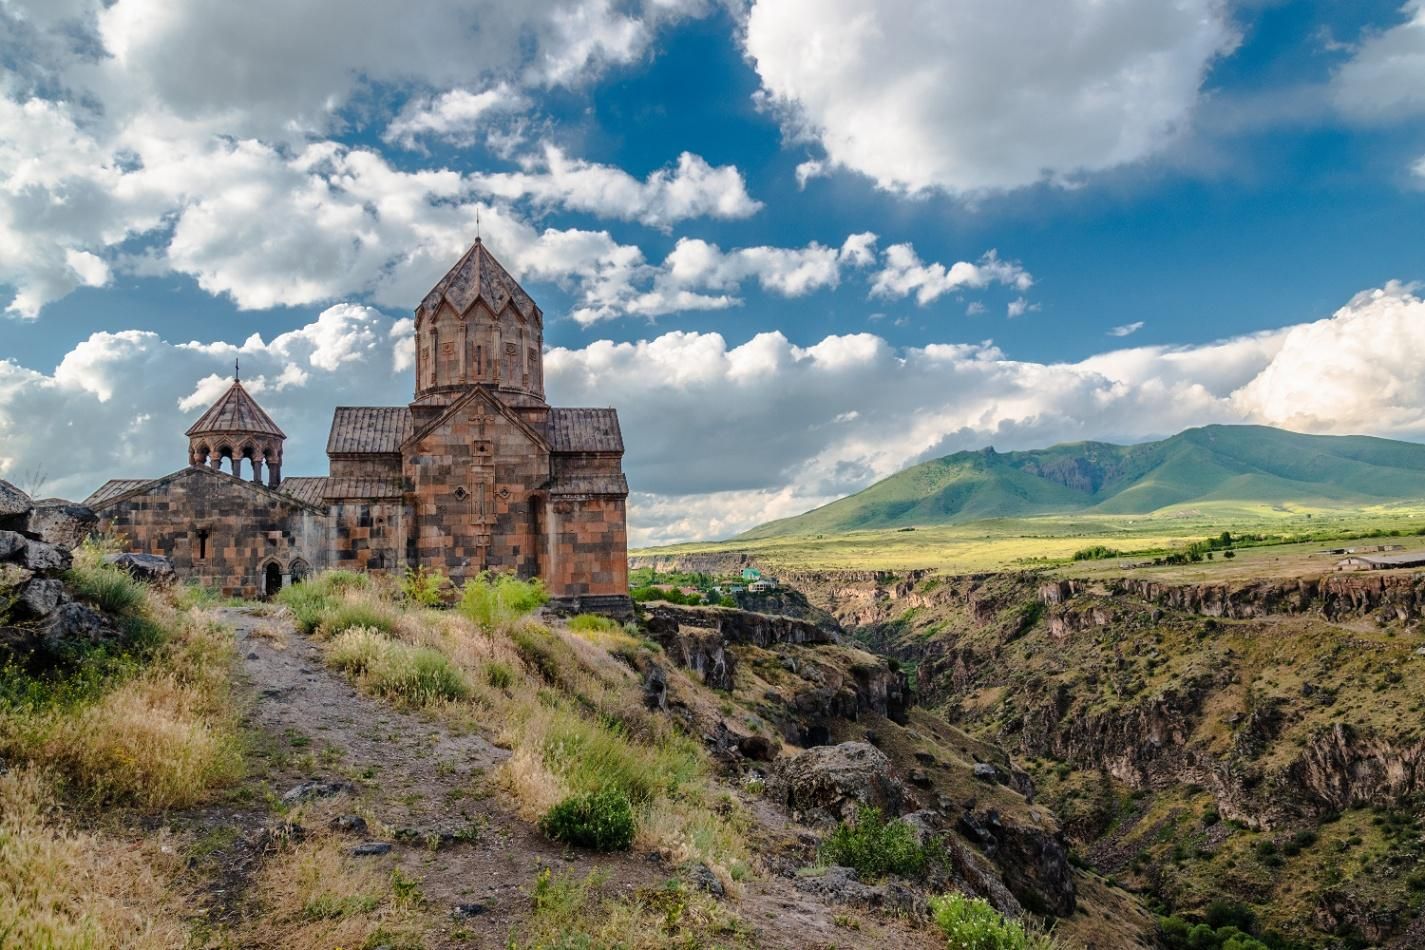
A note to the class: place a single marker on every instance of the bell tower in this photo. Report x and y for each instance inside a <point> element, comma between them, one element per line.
<point>236,429</point>
<point>478,327</point>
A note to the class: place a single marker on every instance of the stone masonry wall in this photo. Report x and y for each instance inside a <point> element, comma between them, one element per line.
<point>588,546</point>
<point>247,527</point>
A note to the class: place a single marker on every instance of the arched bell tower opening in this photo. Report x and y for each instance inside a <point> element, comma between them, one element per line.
<point>237,436</point>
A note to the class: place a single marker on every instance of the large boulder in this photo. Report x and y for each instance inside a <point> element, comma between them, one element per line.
<point>830,783</point>
<point>15,507</point>
<point>42,558</point>
<point>62,523</point>
<point>149,568</point>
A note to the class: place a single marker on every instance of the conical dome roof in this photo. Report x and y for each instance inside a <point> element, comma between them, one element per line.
<point>478,276</point>
<point>236,412</point>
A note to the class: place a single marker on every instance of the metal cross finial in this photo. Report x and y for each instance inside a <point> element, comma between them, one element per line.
<point>477,222</point>
<point>236,377</point>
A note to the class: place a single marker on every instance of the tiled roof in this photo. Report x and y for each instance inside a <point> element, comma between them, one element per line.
<point>362,488</point>
<point>304,488</point>
<point>369,429</point>
<point>584,430</point>
<point>477,275</point>
<point>113,488</point>
<point>589,485</point>
<point>236,411</point>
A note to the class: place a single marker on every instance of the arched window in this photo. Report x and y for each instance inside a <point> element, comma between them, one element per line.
<point>299,571</point>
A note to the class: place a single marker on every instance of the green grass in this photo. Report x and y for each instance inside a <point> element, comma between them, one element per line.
<point>592,755</point>
<point>417,676</point>
<point>108,588</point>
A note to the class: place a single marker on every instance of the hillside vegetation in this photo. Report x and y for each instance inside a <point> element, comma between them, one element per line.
<point>1245,467</point>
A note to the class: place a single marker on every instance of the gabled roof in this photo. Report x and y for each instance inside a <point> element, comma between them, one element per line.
<point>584,430</point>
<point>536,436</point>
<point>304,488</point>
<point>361,487</point>
<point>589,485</point>
<point>476,276</point>
<point>369,430</point>
<point>113,488</point>
<point>236,411</point>
<point>138,486</point>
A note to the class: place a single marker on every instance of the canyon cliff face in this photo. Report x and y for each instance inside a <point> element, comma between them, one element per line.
<point>1255,741</point>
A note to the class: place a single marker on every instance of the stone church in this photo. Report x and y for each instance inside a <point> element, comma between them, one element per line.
<point>477,473</point>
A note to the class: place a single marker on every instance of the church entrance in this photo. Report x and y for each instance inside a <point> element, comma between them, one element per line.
<point>272,580</point>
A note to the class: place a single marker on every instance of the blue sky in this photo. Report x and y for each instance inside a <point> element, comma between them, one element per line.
<point>759,229</point>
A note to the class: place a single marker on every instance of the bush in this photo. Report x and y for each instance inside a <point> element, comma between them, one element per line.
<point>422,586</point>
<point>970,923</point>
<point>499,675</point>
<point>1096,552</point>
<point>350,614</point>
<point>493,600</point>
<point>875,847</point>
<point>601,821</point>
<point>415,675</point>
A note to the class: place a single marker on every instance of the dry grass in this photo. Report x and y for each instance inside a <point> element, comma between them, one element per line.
<point>162,737</point>
<point>61,888</point>
<point>577,912</point>
<point>315,895</point>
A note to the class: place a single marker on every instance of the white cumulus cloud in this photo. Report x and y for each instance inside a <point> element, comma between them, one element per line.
<point>967,97</point>
<point>1384,80</point>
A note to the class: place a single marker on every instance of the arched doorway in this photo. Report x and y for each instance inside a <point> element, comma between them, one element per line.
<point>298,571</point>
<point>272,579</point>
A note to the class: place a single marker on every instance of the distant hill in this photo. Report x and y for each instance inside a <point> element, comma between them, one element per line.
<point>1214,464</point>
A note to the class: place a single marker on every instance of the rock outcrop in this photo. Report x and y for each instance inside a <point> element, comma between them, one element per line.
<point>61,523</point>
<point>831,783</point>
<point>698,638</point>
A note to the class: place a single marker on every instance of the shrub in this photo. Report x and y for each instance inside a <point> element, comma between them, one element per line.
<point>422,586</point>
<point>499,675</point>
<point>600,821</point>
<point>970,923</point>
<point>875,847</point>
<point>594,754</point>
<point>415,675</point>
<point>493,600</point>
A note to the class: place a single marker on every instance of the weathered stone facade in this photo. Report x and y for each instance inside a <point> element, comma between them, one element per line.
<point>477,473</point>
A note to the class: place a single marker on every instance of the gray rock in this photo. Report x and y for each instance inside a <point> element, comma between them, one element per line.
<point>12,544</point>
<point>40,596</point>
<point>371,848</point>
<point>62,523</point>
<point>919,778</point>
<point>351,824</point>
<point>149,568</point>
<point>43,558</point>
<point>308,791</point>
<point>830,783</point>
<point>839,885</point>
<point>701,877</point>
<point>466,911</point>
<point>70,628</point>
<point>757,748</point>
<point>986,772</point>
<point>15,506</point>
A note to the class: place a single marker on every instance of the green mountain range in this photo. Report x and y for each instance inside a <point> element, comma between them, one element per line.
<point>1252,465</point>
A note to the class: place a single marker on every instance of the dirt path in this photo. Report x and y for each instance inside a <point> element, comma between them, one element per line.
<point>423,789</point>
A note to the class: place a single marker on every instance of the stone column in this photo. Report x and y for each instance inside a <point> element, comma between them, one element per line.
<point>257,471</point>
<point>274,474</point>
<point>216,464</point>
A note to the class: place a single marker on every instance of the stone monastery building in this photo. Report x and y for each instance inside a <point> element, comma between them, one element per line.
<point>477,473</point>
